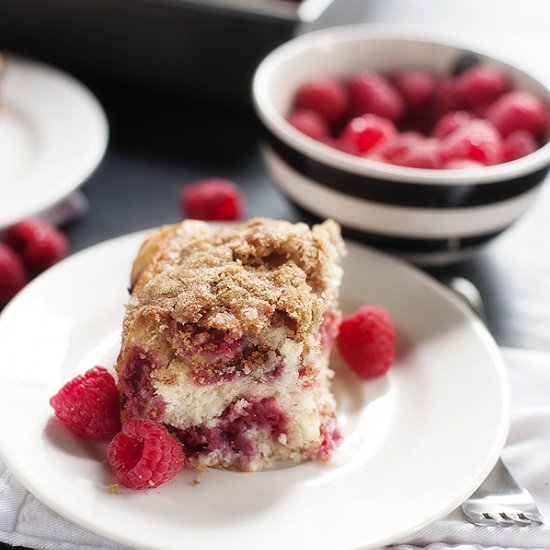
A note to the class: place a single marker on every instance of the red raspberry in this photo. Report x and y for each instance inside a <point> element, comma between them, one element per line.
<point>447,98</point>
<point>366,131</point>
<point>416,87</point>
<point>345,147</point>
<point>449,122</point>
<point>372,93</point>
<point>518,144</point>
<point>478,141</point>
<point>387,148</point>
<point>415,151</point>
<point>213,199</point>
<point>327,96</point>
<point>310,123</point>
<point>12,274</point>
<point>481,84</point>
<point>366,341</point>
<point>38,243</point>
<point>479,111</point>
<point>144,454</point>
<point>519,111</point>
<point>89,404</point>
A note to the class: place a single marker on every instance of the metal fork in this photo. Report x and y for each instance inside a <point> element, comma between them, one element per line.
<point>499,500</point>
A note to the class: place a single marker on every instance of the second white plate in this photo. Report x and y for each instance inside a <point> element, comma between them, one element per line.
<point>53,133</point>
<point>417,442</point>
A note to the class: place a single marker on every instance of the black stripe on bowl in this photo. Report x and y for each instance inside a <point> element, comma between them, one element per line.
<point>384,191</point>
<point>402,245</point>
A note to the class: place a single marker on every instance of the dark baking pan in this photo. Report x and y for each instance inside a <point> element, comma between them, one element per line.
<point>206,48</point>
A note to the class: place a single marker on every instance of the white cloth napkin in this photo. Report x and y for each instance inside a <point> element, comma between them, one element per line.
<point>527,455</point>
<point>24,521</point>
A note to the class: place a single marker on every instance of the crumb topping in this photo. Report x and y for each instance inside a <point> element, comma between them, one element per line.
<point>114,489</point>
<point>239,279</point>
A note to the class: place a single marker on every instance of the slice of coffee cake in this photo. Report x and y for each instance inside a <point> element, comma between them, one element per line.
<point>227,337</point>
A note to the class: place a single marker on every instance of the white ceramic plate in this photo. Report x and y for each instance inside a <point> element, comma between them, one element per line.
<point>417,442</point>
<point>53,133</point>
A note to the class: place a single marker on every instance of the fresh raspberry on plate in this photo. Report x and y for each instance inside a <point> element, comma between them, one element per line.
<point>144,454</point>
<point>213,199</point>
<point>13,276</point>
<point>519,111</point>
<point>449,122</point>
<point>478,141</point>
<point>89,404</point>
<point>326,96</point>
<point>366,131</point>
<point>366,341</point>
<point>38,243</point>
<point>481,84</point>
<point>375,94</point>
<point>518,144</point>
<point>310,123</point>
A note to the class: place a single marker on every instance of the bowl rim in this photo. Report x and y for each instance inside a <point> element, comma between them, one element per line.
<point>325,154</point>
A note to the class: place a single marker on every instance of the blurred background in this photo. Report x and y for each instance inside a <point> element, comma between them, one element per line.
<point>174,79</point>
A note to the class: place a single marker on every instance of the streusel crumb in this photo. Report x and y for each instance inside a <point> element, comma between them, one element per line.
<point>240,278</point>
<point>114,489</point>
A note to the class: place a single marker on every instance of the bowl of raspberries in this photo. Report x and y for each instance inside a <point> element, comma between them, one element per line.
<point>422,148</point>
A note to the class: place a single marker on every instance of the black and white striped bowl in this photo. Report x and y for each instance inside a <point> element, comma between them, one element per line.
<point>426,216</point>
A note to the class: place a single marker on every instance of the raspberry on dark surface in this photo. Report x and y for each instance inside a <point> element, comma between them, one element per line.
<point>310,123</point>
<point>519,111</point>
<point>144,454</point>
<point>13,276</point>
<point>366,341</point>
<point>213,200</point>
<point>326,96</point>
<point>38,243</point>
<point>366,131</point>
<point>89,404</point>
<point>375,94</point>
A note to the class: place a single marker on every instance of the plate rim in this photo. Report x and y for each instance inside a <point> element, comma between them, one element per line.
<point>477,327</point>
<point>71,181</point>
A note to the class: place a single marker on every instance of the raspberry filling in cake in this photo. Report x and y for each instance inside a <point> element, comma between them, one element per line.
<point>237,433</point>
<point>227,338</point>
